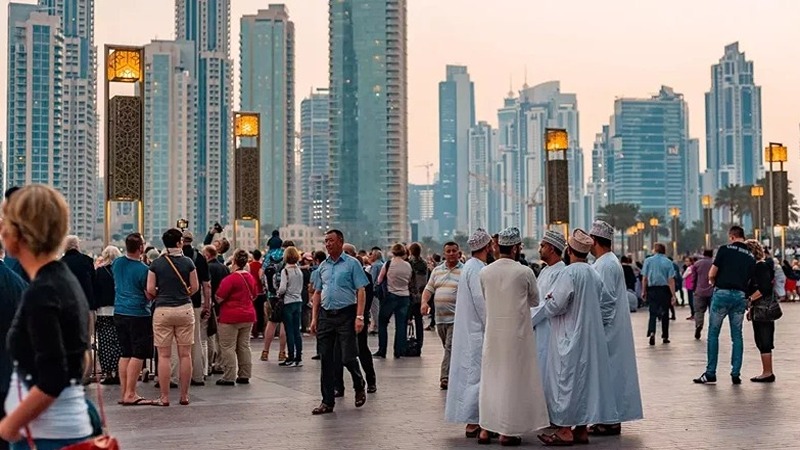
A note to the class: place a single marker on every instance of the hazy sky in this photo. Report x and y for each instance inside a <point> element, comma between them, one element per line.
<point>597,49</point>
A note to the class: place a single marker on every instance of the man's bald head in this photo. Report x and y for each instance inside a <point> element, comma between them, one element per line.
<point>349,249</point>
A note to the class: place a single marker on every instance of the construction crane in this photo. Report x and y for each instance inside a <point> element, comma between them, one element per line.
<point>427,167</point>
<point>530,203</point>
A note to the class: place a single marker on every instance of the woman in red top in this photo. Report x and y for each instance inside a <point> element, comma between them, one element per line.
<point>235,296</point>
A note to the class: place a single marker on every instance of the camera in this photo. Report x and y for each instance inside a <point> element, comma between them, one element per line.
<point>217,227</point>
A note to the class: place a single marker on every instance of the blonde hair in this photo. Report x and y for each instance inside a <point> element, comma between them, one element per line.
<point>291,255</point>
<point>109,254</point>
<point>755,248</point>
<point>40,217</point>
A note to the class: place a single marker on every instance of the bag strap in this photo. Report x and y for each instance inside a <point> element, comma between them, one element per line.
<point>180,277</point>
<point>247,285</point>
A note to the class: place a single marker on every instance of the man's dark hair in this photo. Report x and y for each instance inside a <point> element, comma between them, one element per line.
<point>133,242</point>
<point>437,258</point>
<point>736,231</point>
<point>506,249</point>
<point>319,256</point>
<point>376,248</point>
<point>450,243</point>
<point>578,254</point>
<point>172,238</point>
<point>625,260</point>
<point>257,255</point>
<point>338,233</point>
<point>602,242</point>
<point>708,253</point>
<point>276,233</point>
<point>11,190</point>
<point>660,248</point>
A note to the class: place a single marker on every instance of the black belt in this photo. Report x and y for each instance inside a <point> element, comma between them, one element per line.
<point>336,312</point>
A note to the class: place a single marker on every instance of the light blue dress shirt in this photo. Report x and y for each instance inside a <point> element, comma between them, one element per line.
<point>659,270</point>
<point>339,280</point>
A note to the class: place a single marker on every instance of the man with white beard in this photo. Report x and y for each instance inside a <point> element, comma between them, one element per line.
<point>619,334</point>
<point>551,251</point>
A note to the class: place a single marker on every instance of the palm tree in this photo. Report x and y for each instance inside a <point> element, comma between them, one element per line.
<point>621,216</point>
<point>734,198</point>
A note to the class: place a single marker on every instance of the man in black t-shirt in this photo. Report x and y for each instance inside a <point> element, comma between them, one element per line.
<point>730,274</point>
<point>201,302</point>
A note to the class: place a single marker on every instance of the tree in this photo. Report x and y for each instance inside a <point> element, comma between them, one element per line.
<point>621,216</point>
<point>461,239</point>
<point>430,245</point>
<point>734,198</point>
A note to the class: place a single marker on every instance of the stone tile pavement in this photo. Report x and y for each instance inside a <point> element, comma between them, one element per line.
<point>407,412</point>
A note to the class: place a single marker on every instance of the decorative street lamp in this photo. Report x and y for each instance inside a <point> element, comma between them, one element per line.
<point>675,213</point>
<point>757,192</point>
<point>778,185</point>
<point>556,145</point>
<point>708,220</point>
<point>247,178</point>
<point>640,240</point>
<point>653,232</point>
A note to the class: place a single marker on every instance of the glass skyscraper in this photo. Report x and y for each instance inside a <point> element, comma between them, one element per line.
<point>34,111</point>
<point>315,159</point>
<point>266,59</point>
<point>170,132</point>
<point>206,23</point>
<point>369,149</point>
<point>733,122</point>
<point>456,117</point>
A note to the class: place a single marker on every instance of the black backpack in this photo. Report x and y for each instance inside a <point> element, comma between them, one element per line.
<point>413,346</point>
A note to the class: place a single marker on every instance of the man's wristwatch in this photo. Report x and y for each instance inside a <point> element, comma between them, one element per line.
<point>361,318</point>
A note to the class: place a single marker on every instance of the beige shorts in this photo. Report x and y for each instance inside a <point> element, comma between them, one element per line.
<point>173,322</point>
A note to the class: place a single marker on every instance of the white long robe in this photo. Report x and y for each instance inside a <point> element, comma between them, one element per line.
<point>619,336</point>
<point>578,383</point>
<point>465,363</point>
<point>545,282</point>
<point>511,396</point>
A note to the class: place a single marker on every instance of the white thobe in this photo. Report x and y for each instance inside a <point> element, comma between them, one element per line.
<point>511,396</point>
<point>619,336</point>
<point>546,281</point>
<point>578,383</point>
<point>465,363</point>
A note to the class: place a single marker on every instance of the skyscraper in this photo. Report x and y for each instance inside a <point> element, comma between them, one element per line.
<point>369,148</point>
<point>266,59</point>
<point>79,151</point>
<point>207,24</point>
<point>602,170</point>
<point>456,117</point>
<point>315,166</point>
<point>733,122</point>
<point>652,153</point>
<point>482,154</point>
<point>35,99</point>
<point>170,188</point>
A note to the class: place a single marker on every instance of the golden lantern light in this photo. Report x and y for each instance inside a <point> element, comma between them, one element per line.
<point>757,191</point>
<point>245,125</point>
<point>556,140</point>
<point>674,212</point>
<point>706,201</point>
<point>640,226</point>
<point>124,65</point>
<point>776,152</point>
<point>653,222</point>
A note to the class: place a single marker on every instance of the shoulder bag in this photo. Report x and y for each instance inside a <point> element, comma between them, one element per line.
<point>178,274</point>
<point>767,309</point>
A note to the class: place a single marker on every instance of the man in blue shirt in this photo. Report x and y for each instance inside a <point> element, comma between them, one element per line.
<point>11,288</point>
<point>658,288</point>
<point>338,315</point>
<point>132,317</point>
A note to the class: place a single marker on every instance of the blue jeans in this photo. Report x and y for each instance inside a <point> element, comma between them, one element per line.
<point>292,318</point>
<point>397,305</point>
<point>46,444</point>
<point>732,304</point>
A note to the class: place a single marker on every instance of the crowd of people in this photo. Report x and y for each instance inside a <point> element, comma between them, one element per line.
<point>525,347</point>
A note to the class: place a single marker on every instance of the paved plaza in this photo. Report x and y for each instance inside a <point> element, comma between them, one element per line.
<point>274,411</point>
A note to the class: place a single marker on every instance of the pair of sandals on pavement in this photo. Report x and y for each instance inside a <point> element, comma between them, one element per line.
<point>141,401</point>
<point>554,440</point>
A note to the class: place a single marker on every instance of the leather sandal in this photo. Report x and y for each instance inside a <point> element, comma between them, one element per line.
<point>510,441</point>
<point>472,432</point>
<point>554,440</point>
<point>605,430</point>
<point>361,398</point>
<point>322,409</point>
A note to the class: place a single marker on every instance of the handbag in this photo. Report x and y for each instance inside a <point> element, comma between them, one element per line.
<point>767,311</point>
<point>100,439</point>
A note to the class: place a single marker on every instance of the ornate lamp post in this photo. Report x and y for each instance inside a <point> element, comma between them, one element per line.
<point>640,239</point>
<point>653,232</point>
<point>778,184</point>
<point>247,162</point>
<point>556,178</point>
<point>675,213</point>
<point>708,223</point>
<point>757,192</point>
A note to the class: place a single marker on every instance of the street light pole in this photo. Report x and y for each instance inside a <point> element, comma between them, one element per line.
<point>775,153</point>
<point>707,220</point>
<point>653,231</point>
<point>757,192</point>
<point>675,213</point>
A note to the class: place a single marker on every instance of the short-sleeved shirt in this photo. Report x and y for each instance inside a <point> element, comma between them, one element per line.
<point>339,280</point>
<point>130,282</point>
<point>171,292</point>
<point>659,270</point>
<point>735,266</point>
<point>443,284</point>
<point>203,275</point>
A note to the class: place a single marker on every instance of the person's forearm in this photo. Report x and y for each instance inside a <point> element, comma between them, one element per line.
<point>31,407</point>
<point>671,284</point>
<point>426,297</point>
<point>644,286</point>
<point>361,301</point>
<point>206,295</point>
<point>315,306</point>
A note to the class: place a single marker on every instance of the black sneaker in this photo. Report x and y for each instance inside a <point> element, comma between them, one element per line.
<point>652,339</point>
<point>287,362</point>
<point>666,341</point>
<point>706,379</point>
<point>697,332</point>
<point>297,363</point>
<point>736,379</point>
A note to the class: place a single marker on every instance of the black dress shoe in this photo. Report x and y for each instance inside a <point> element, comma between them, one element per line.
<point>735,379</point>
<point>338,394</point>
<point>243,381</point>
<point>666,341</point>
<point>225,383</point>
<point>769,379</point>
<point>372,389</point>
<point>697,332</point>
<point>653,339</point>
<point>379,355</point>
<point>315,357</point>
<point>198,383</point>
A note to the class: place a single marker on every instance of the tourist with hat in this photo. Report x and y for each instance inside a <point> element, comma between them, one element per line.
<point>551,251</point>
<point>619,333</point>
<point>577,385</point>
<point>511,396</point>
<point>468,329</point>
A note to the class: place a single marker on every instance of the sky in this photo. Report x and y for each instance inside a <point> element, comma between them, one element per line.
<point>600,50</point>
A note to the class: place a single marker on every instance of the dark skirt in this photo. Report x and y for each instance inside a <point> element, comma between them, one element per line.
<point>764,332</point>
<point>108,350</point>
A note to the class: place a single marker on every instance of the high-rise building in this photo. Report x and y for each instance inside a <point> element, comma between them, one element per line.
<point>602,171</point>
<point>315,162</point>
<point>456,117</point>
<point>35,99</point>
<point>170,110</point>
<point>482,154</point>
<point>2,169</point>
<point>733,122</point>
<point>207,24</point>
<point>368,118</point>
<point>266,63</point>
<point>652,154</point>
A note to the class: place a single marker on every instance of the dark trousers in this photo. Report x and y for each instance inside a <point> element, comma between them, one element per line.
<point>3,393</point>
<point>659,300</point>
<point>337,326</point>
<point>397,306</point>
<point>364,357</point>
<point>690,294</point>
<point>258,327</point>
<point>415,314</point>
